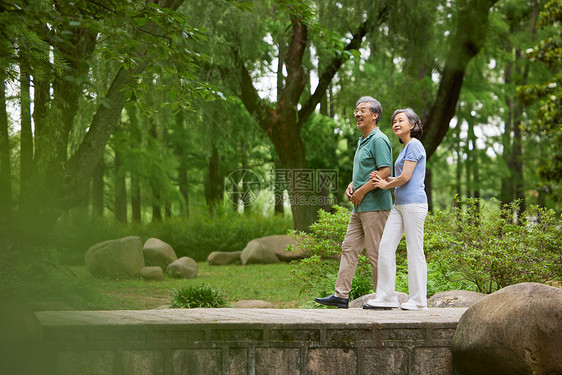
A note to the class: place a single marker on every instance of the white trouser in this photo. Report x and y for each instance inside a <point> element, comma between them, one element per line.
<point>409,219</point>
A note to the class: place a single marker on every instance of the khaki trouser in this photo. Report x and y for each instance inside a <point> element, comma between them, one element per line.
<point>364,231</point>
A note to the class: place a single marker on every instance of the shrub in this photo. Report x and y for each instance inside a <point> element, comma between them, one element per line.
<point>487,248</point>
<point>319,271</point>
<point>472,248</point>
<point>201,235</point>
<point>197,296</point>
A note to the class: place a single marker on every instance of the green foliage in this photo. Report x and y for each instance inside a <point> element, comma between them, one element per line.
<point>197,296</point>
<point>362,283</point>
<point>478,249</point>
<point>438,279</point>
<point>33,277</point>
<point>200,236</point>
<point>323,244</point>
<point>488,248</point>
<point>326,234</point>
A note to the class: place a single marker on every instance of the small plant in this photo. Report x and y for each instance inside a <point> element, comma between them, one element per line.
<point>197,296</point>
<point>362,283</point>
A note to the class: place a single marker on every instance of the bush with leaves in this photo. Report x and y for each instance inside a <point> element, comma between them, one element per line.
<point>197,296</point>
<point>488,247</point>
<point>322,244</point>
<point>478,247</point>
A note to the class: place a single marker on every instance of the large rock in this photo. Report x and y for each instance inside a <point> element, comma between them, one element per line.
<point>152,273</point>
<point>516,330</point>
<point>121,257</point>
<point>278,244</point>
<point>183,267</point>
<point>455,298</point>
<point>271,249</point>
<point>158,253</point>
<point>256,253</point>
<point>222,258</point>
<point>358,303</point>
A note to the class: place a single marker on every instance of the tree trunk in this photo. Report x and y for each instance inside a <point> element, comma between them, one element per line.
<point>80,166</point>
<point>507,185</point>
<point>428,189</point>
<point>469,37</point>
<point>136,205</point>
<point>120,187</point>
<point>518,164</point>
<point>458,169</point>
<point>183,182</point>
<point>156,207</point>
<point>5,164</point>
<point>283,123</point>
<point>26,134</point>
<point>135,134</point>
<point>182,168</point>
<point>98,188</point>
<point>517,151</point>
<point>475,175</point>
<point>246,192</point>
<point>278,191</point>
<point>468,162</point>
<point>213,185</point>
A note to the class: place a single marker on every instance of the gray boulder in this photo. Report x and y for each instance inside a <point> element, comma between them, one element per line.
<point>278,245</point>
<point>158,253</point>
<point>152,273</point>
<point>116,258</point>
<point>222,258</point>
<point>516,330</point>
<point>454,298</point>
<point>271,249</point>
<point>256,252</point>
<point>183,267</point>
<point>358,303</point>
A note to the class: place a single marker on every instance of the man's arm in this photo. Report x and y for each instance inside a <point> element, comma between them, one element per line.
<point>359,194</point>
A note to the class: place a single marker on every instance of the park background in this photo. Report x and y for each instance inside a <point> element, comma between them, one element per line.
<point>200,122</point>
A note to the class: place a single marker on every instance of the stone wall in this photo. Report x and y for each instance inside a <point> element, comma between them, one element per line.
<point>249,341</point>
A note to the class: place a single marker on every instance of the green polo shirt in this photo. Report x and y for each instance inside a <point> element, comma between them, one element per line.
<point>373,152</point>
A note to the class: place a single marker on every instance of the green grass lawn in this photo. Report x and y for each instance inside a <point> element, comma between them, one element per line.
<point>269,282</point>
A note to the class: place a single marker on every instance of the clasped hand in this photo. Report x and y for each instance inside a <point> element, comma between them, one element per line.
<point>356,196</point>
<point>377,180</point>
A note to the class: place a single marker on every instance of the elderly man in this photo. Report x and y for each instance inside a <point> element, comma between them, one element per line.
<point>371,206</point>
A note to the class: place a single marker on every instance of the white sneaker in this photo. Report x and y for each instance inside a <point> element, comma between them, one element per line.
<point>412,306</point>
<point>382,303</point>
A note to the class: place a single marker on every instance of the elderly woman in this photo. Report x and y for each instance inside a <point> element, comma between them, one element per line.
<point>407,216</point>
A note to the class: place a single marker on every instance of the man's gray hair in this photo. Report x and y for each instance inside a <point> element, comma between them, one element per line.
<point>375,106</point>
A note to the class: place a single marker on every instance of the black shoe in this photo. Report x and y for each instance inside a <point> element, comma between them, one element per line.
<point>369,307</point>
<point>333,301</point>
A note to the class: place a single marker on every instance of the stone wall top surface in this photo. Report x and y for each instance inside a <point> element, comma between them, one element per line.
<point>432,316</point>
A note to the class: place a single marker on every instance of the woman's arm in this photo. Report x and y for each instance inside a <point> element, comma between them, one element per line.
<point>360,193</point>
<point>390,182</point>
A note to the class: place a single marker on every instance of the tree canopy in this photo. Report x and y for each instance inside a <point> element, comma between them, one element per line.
<point>159,108</point>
